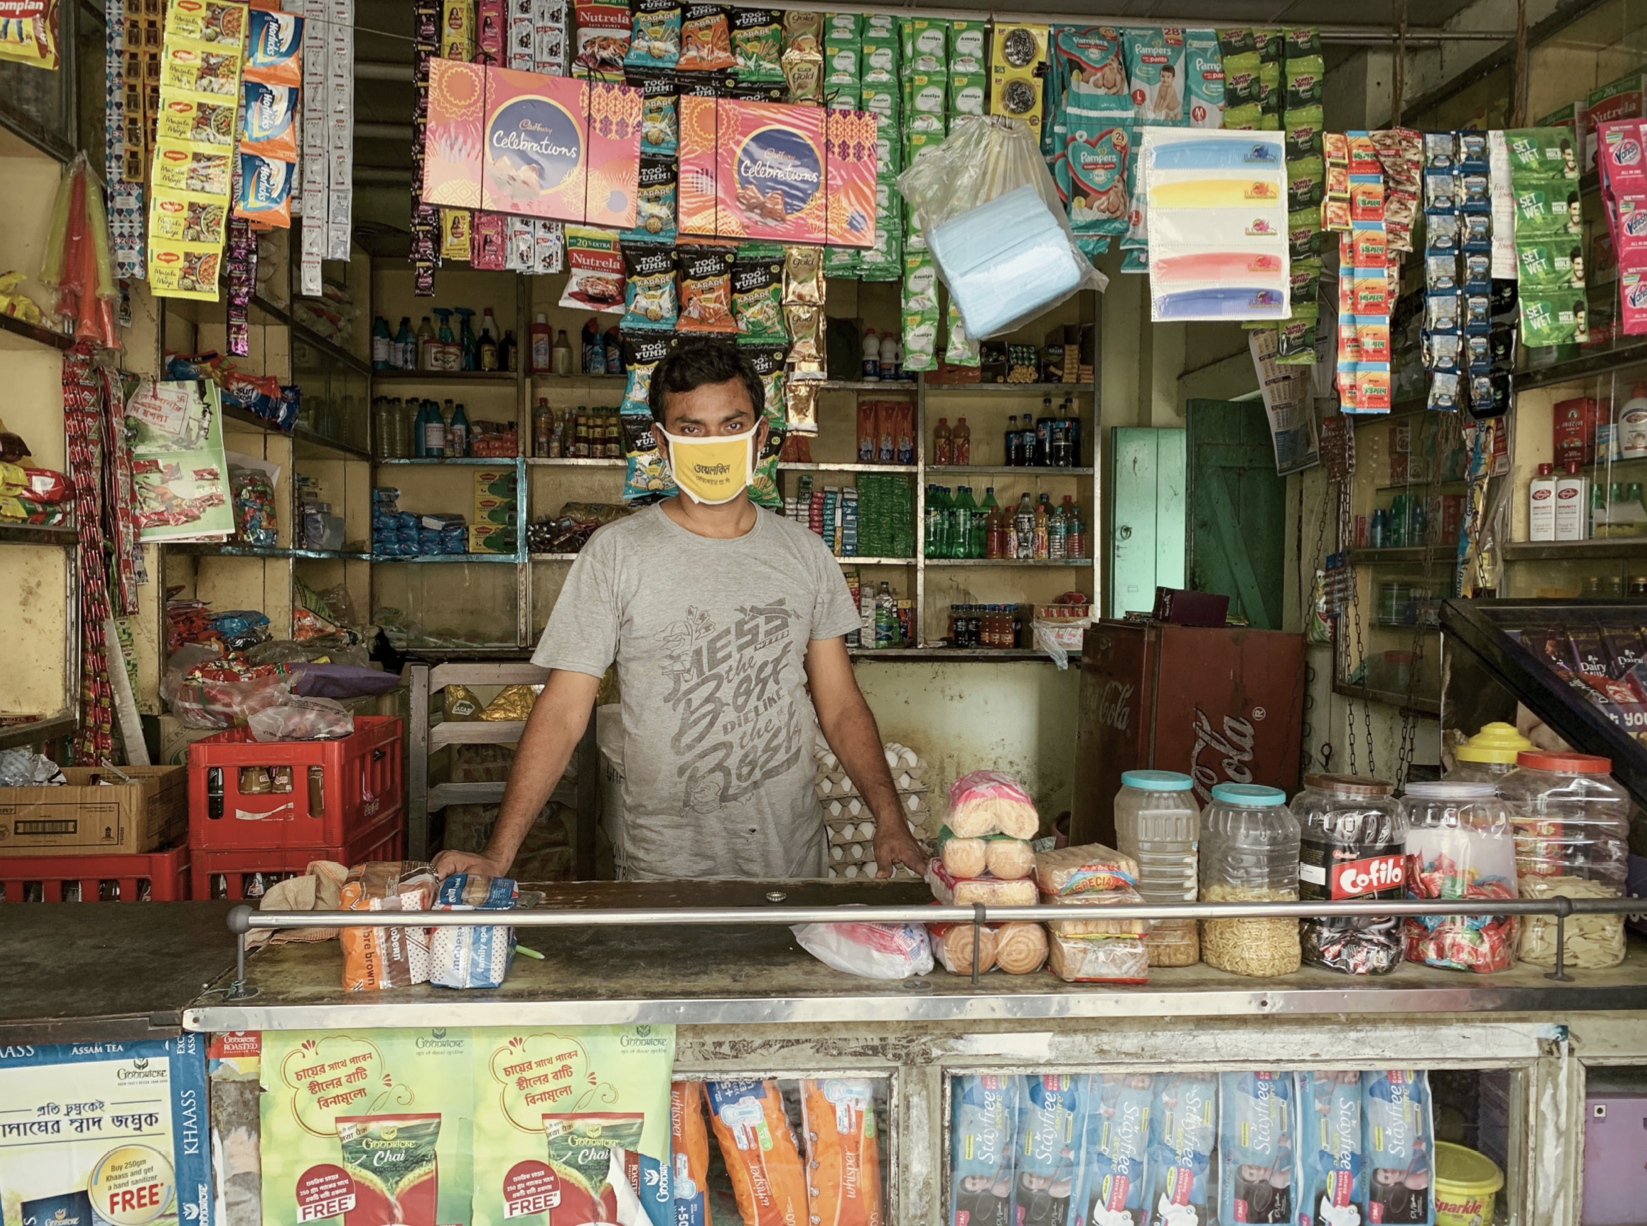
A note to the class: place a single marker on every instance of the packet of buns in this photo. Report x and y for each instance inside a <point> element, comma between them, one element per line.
<point>1020,947</point>
<point>952,947</point>
<point>1098,927</point>
<point>999,855</point>
<point>1090,868</point>
<point>1098,959</point>
<point>990,891</point>
<point>386,957</point>
<point>988,802</point>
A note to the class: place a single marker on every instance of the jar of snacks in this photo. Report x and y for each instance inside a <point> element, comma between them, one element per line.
<point>1249,853</point>
<point>1489,755</point>
<point>1460,844</point>
<point>1157,823</point>
<point>1571,825</point>
<point>1353,835</point>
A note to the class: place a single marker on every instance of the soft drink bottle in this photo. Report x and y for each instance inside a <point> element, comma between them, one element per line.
<point>961,445</point>
<point>1023,528</point>
<point>961,524</point>
<point>1042,522</point>
<point>886,616</point>
<point>943,450</point>
<point>1014,443</point>
<point>992,524</point>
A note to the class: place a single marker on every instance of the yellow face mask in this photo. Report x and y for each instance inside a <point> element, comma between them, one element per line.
<point>712,470</point>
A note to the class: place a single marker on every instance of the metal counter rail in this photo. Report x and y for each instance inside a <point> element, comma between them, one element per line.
<point>243,920</point>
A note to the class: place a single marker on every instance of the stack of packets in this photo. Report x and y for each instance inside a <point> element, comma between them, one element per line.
<point>326,169</point>
<point>984,857</point>
<point>378,958</point>
<point>1371,200</point>
<point>1469,333</point>
<point>268,120</point>
<point>1621,158</point>
<point>1093,950</point>
<point>847,817</point>
<point>1548,222</point>
<point>193,172</point>
<point>497,512</point>
<point>473,957</point>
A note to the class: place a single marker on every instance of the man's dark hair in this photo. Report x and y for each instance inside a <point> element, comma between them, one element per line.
<point>693,361</point>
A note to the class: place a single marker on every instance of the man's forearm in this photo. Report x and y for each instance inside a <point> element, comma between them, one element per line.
<point>546,746</point>
<point>856,741</point>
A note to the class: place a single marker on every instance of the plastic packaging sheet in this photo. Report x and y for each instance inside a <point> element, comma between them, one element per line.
<point>996,227</point>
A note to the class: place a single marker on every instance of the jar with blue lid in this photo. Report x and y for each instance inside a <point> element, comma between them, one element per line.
<point>1249,853</point>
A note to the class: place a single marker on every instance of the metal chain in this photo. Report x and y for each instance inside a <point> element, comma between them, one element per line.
<point>1353,614</point>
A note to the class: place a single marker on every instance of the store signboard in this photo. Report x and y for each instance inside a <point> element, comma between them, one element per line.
<point>458,1116</point>
<point>105,1134</point>
<point>532,145</point>
<point>776,171</point>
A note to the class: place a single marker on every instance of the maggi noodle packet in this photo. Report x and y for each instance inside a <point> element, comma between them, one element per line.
<point>390,1160</point>
<point>689,1143</point>
<point>386,957</point>
<point>843,1168</point>
<point>759,1149</point>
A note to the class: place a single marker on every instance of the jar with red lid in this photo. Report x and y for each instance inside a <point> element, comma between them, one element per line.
<point>1572,823</point>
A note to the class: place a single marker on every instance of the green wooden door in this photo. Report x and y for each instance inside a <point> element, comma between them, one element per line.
<point>1237,509</point>
<point>1146,539</point>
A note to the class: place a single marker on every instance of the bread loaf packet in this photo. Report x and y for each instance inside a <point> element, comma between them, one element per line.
<point>989,802</point>
<point>386,957</point>
<point>1098,959</point>
<point>990,891</point>
<point>473,957</point>
<point>1098,927</point>
<point>1091,868</point>
<point>999,855</point>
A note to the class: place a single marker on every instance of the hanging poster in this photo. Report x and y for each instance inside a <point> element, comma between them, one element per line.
<point>180,481</point>
<point>531,145</point>
<point>105,1134</point>
<point>1217,207</point>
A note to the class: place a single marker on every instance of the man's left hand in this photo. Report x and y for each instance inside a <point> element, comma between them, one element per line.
<point>894,845</point>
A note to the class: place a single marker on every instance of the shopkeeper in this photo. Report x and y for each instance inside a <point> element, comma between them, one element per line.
<point>720,617</point>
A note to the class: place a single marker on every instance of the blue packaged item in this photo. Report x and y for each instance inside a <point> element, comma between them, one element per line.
<point>1044,1171</point>
<point>1215,301</point>
<point>1114,1152</point>
<point>1256,1155</point>
<point>1216,154</point>
<point>657,1192</point>
<point>472,957</point>
<point>1399,1145</point>
<point>1183,1130</point>
<point>983,1136</point>
<point>1332,1173</point>
<point>1005,261</point>
<point>68,1209</point>
<point>265,189</point>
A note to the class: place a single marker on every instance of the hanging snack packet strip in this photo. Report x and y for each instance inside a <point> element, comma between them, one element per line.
<point>706,39</point>
<point>654,34</point>
<point>706,289</point>
<point>759,1150</point>
<point>768,361</point>
<point>843,1183</point>
<point>646,478</point>
<point>757,293</point>
<point>649,286</point>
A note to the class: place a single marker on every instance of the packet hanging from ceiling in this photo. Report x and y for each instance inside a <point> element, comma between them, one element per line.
<point>181,217</point>
<point>1096,68</point>
<point>265,189</point>
<point>1155,73</point>
<point>268,120</point>
<point>660,112</point>
<point>274,49</point>
<point>206,121</point>
<point>1203,79</point>
<point>706,289</point>
<point>602,38</point>
<point>594,261</point>
<point>757,293</point>
<point>757,44</point>
<point>649,287</point>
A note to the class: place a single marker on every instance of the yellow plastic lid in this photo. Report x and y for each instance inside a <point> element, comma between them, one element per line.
<point>1471,1173</point>
<point>1496,742</point>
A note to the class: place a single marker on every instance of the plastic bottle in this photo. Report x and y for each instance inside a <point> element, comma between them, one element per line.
<point>1075,530</point>
<point>427,353</point>
<point>403,353</point>
<point>1057,535</point>
<point>1043,522</point>
<point>382,431</point>
<point>541,341</point>
<point>1541,504</point>
<point>468,347</point>
<point>1353,835</point>
<point>1023,528</point>
<point>543,428</point>
<point>457,433</point>
<point>614,351</point>
<point>381,341</point>
<point>1014,443</point>
<point>1249,853</point>
<point>943,446</point>
<point>961,534</point>
<point>486,347</point>
<point>561,357</point>
<point>1158,824</point>
<point>961,444</point>
<point>937,521</point>
<point>886,617</point>
<point>443,353</point>
<point>406,431</point>
<point>1572,518</point>
<point>434,433</point>
<point>508,351</point>
<point>889,358</point>
<point>870,370</point>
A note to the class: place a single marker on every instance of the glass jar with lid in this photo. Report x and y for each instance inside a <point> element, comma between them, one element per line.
<point>1249,853</point>
<point>1571,825</point>
<point>1157,823</point>
<point>1460,844</point>
<point>1489,755</point>
<point>1353,835</point>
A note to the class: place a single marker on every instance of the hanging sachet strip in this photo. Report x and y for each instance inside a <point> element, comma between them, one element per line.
<point>83,429</point>
<point>119,525</point>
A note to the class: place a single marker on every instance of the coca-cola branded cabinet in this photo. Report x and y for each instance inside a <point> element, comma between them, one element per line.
<point>1219,703</point>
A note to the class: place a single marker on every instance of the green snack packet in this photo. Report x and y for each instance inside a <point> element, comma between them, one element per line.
<point>840,262</point>
<point>1297,335</point>
<point>757,293</point>
<point>1268,41</point>
<point>757,44</point>
<point>1546,207</point>
<point>1302,79</point>
<point>1302,41</point>
<point>960,349</point>
<point>1554,319</point>
<point>768,361</point>
<point>1303,128</point>
<point>1241,62</point>
<point>1269,87</point>
<point>968,47</point>
<point>1306,183</point>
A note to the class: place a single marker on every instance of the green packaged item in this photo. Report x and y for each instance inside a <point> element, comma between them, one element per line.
<point>649,287</point>
<point>959,350</point>
<point>1092,63</point>
<point>646,477</point>
<point>842,62</point>
<point>1301,41</point>
<point>880,49</point>
<point>883,99</point>
<point>768,361</point>
<point>1297,335</point>
<point>1303,128</point>
<point>1306,183</point>
<point>920,311</point>
<point>757,44</point>
<point>1545,265</point>
<point>1541,153</point>
<point>1203,79</point>
<point>926,44</point>
<point>928,101</point>
<point>968,47</point>
<point>654,34</point>
<point>1546,207</point>
<point>1135,260</point>
<point>1248,117</point>
<point>968,93</point>
<point>842,28</point>
<point>1302,80</point>
<point>1269,42</point>
<point>840,262</point>
<point>1269,87</point>
<point>1304,234</point>
<point>757,293</point>
<point>1240,56</point>
<point>1554,319</point>
<point>1306,281</point>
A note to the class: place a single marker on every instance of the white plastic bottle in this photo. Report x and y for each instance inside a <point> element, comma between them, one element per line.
<point>889,357</point>
<point>871,371</point>
<point>1541,505</point>
<point>1572,513</point>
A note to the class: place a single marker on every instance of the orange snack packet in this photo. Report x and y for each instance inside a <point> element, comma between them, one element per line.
<point>759,1150</point>
<point>843,1168</point>
<point>689,1143</point>
<point>386,957</point>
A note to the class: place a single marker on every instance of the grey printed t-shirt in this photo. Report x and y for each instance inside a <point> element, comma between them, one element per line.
<point>710,639</point>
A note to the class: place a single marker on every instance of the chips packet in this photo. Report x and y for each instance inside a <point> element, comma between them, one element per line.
<point>654,34</point>
<point>660,112</point>
<point>274,48</point>
<point>649,286</point>
<point>757,292</point>
<point>655,200</point>
<point>706,289</point>
<point>757,44</point>
<point>706,39</point>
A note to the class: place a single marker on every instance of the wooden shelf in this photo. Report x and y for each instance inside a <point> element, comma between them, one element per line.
<point>32,534</point>
<point>935,470</point>
<point>1401,555</point>
<point>575,462</point>
<point>938,655</point>
<point>856,467</point>
<point>463,460</point>
<point>212,549</point>
<point>1418,706</point>
<point>445,376</point>
<point>1026,389</point>
<point>12,735</point>
<point>1026,563</point>
<point>31,334</point>
<point>895,386</point>
<point>1604,549</point>
<point>1588,366</point>
<point>875,561</point>
<point>383,559</point>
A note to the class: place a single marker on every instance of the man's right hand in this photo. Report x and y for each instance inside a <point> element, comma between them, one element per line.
<point>449,862</point>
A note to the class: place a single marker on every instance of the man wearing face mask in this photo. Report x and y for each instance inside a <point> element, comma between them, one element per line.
<point>719,616</point>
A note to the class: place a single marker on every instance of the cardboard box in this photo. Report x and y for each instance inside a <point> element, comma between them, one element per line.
<point>86,818</point>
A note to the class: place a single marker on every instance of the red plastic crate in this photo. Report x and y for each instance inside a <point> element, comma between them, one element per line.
<point>384,840</point>
<point>357,782</point>
<point>165,872</point>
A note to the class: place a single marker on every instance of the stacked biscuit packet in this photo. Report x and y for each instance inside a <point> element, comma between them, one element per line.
<point>984,857</point>
<point>847,815</point>
<point>1093,950</point>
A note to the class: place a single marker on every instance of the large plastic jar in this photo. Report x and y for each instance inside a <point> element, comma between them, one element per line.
<point>1571,825</point>
<point>1489,755</point>
<point>1460,844</point>
<point>1157,823</point>
<point>1249,853</point>
<point>1352,846</point>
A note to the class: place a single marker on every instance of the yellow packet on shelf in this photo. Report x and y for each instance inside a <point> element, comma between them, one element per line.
<point>461,703</point>
<point>514,702</point>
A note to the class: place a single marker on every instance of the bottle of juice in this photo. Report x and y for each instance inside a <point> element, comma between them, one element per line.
<point>961,443</point>
<point>1042,523</point>
<point>1075,530</point>
<point>1023,528</point>
<point>943,447</point>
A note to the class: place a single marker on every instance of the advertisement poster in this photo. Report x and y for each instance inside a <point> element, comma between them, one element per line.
<point>180,478</point>
<point>424,1127</point>
<point>105,1134</point>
